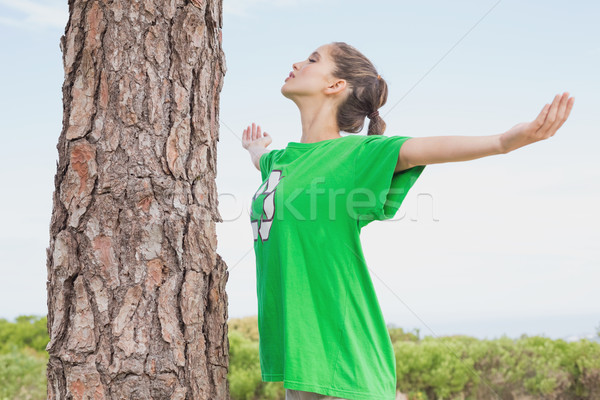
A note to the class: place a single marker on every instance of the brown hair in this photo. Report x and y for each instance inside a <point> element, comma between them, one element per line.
<point>368,91</point>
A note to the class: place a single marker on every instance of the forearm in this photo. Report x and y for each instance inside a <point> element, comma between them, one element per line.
<point>255,153</point>
<point>442,149</point>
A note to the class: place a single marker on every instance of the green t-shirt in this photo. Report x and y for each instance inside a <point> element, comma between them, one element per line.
<point>320,325</point>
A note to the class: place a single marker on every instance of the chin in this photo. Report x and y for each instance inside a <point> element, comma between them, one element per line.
<point>284,92</point>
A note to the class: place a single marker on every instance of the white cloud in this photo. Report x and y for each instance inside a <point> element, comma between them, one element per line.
<point>35,14</point>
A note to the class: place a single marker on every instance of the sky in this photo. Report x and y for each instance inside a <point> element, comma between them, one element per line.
<point>501,245</point>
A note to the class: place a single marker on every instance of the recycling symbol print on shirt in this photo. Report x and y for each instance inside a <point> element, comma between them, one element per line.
<point>261,227</point>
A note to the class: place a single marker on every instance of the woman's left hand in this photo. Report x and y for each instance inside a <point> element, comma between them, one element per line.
<point>544,126</point>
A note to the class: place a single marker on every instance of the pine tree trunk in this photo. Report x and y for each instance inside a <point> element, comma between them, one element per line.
<point>137,307</point>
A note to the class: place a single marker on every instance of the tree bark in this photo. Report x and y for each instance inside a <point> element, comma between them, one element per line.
<point>137,307</point>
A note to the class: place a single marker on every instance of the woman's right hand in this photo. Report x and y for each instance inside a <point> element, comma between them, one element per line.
<point>253,137</point>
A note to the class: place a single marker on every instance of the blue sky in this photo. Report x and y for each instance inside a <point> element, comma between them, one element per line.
<point>506,244</point>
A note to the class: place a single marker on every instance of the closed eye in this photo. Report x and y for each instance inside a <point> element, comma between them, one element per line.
<point>311,60</point>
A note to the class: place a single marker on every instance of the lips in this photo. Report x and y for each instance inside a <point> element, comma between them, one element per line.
<point>291,75</point>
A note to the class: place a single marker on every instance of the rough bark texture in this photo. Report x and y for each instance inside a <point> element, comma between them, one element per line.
<point>137,307</point>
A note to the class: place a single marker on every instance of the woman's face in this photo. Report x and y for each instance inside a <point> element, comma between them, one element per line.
<point>310,76</point>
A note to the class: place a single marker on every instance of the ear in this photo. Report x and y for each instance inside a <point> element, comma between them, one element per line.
<point>337,86</point>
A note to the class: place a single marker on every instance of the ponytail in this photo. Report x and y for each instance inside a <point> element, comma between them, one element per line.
<point>367,90</point>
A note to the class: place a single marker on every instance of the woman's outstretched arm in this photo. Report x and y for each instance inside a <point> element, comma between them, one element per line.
<point>255,143</point>
<point>441,149</point>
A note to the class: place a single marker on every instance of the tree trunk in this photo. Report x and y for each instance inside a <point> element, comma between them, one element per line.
<point>137,307</point>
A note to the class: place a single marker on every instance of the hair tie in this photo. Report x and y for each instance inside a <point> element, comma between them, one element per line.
<point>378,76</point>
<point>373,114</point>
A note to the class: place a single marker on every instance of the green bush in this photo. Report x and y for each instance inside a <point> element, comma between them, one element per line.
<point>398,334</point>
<point>437,368</point>
<point>466,368</point>
<point>26,331</point>
<point>22,374</point>
<point>23,358</point>
<point>443,368</point>
<point>244,375</point>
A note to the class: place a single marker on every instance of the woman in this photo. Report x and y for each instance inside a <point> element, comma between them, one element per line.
<point>321,328</point>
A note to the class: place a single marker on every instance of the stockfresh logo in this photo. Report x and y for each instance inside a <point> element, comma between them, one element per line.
<point>262,218</point>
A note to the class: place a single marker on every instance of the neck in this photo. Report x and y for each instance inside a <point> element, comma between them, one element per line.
<point>318,121</point>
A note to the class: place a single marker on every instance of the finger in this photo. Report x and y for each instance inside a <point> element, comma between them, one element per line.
<point>560,113</point>
<point>253,131</point>
<point>539,121</point>
<point>245,135</point>
<point>570,106</point>
<point>258,132</point>
<point>568,110</point>
<point>562,108</point>
<point>563,104</point>
<point>554,106</point>
<point>551,117</point>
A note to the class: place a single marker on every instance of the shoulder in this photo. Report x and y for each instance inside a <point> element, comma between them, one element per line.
<point>367,143</point>
<point>367,139</point>
<point>356,140</point>
<point>266,160</point>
